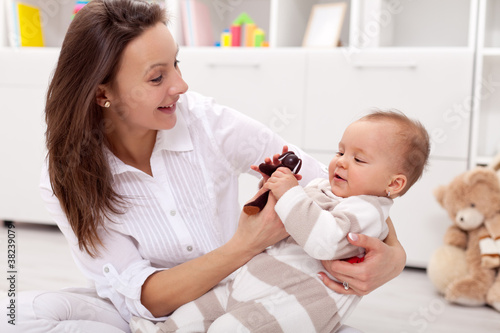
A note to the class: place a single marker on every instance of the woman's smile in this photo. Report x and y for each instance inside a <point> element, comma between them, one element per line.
<point>169,109</point>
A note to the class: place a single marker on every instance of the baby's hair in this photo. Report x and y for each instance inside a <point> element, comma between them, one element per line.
<point>413,143</point>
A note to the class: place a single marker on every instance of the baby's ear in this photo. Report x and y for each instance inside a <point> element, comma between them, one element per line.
<point>397,184</point>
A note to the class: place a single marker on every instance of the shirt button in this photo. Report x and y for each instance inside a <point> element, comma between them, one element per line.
<point>172,212</point>
<point>189,248</point>
<point>106,269</point>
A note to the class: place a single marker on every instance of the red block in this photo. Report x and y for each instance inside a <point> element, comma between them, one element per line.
<point>236,35</point>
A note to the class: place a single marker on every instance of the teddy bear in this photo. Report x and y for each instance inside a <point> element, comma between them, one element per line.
<point>465,268</point>
<point>495,164</point>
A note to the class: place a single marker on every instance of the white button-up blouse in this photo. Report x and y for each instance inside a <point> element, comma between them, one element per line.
<point>188,208</point>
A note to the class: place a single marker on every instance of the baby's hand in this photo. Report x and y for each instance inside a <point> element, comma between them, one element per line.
<point>270,161</point>
<point>281,181</point>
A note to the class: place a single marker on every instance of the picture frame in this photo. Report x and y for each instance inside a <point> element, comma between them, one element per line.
<point>325,25</point>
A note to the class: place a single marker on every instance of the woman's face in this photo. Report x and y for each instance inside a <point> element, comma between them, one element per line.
<point>148,83</point>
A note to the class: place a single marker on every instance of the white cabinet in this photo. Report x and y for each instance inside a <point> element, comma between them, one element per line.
<point>266,84</point>
<point>419,220</point>
<point>23,84</point>
<point>432,85</point>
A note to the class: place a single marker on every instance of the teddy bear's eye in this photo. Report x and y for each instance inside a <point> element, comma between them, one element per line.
<point>473,205</point>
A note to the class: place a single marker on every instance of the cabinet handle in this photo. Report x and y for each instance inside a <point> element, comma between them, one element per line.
<point>222,65</point>
<point>395,65</point>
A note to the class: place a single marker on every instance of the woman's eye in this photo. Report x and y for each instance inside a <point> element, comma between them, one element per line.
<point>358,160</point>
<point>158,79</point>
<point>176,63</point>
<point>339,153</point>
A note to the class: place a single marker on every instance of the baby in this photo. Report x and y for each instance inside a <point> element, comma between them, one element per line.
<point>380,156</point>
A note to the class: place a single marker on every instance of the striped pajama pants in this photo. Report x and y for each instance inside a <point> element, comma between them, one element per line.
<point>276,291</point>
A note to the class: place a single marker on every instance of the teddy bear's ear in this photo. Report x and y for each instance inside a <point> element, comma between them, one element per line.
<point>439,193</point>
<point>482,174</point>
<point>495,163</point>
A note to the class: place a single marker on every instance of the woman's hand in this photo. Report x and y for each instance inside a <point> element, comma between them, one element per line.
<point>382,263</point>
<point>257,232</point>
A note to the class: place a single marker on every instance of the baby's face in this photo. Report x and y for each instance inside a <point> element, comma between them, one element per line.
<point>365,160</point>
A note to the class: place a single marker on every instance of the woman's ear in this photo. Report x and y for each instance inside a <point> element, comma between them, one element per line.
<point>101,95</point>
<point>397,184</point>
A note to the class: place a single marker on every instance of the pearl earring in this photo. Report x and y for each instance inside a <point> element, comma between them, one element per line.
<point>388,194</point>
<point>107,104</point>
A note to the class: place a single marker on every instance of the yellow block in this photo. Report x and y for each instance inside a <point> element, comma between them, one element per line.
<point>30,26</point>
<point>226,39</point>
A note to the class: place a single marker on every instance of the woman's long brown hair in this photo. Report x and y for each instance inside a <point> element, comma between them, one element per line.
<point>78,168</point>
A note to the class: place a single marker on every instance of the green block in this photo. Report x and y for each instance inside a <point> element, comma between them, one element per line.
<point>243,19</point>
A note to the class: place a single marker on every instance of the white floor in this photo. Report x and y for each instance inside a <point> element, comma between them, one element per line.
<point>405,305</point>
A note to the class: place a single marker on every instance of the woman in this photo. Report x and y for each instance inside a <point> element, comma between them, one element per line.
<point>142,180</point>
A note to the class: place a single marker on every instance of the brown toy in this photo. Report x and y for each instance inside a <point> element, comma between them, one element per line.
<point>465,269</point>
<point>289,160</point>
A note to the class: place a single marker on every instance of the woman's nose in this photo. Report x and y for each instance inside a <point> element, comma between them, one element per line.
<point>178,86</point>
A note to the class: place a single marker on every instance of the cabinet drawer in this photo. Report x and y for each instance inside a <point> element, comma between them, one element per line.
<point>27,66</point>
<point>419,220</point>
<point>22,143</point>
<point>432,85</point>
<point>262,83</point>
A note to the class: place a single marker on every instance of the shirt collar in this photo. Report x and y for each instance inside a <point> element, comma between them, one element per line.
<point>174,139</point>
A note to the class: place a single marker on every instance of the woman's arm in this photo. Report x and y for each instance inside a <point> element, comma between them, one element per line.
<point>121,274</point>
<point>383,262</point>
<point>165,291</point>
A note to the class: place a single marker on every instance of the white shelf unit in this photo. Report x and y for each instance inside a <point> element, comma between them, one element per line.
<point>408,23</point>
<point>485,143</point>
<point>367,23</point>
<point>55,20</point>
<point>417,56</point>
<point>3,26</point>
<point>284,21</point>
